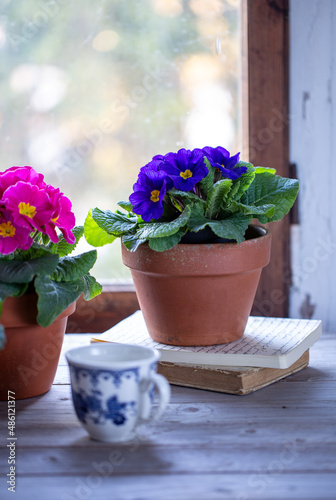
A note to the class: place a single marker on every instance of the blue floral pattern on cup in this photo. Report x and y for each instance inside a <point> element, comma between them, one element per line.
<point>88,400</point>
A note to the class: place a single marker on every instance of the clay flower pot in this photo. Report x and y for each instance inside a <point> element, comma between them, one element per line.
<point>199,294</point>
<point>28,363</point>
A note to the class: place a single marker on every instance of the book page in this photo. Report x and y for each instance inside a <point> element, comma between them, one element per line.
<point>262,336</point>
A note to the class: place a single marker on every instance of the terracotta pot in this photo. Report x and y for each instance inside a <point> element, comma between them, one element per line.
<point>29,360</point>
<point>199,294</point>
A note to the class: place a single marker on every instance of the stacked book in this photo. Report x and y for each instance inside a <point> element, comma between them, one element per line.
<point>270,349</point>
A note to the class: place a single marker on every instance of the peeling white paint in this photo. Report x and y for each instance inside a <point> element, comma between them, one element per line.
<point>312,148</point>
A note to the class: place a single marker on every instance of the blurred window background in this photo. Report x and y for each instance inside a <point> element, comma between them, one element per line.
<point>91,91</point>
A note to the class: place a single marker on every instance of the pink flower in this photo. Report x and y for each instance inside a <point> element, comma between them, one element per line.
<point>29,204</point>
<point>62,216</point>
<point>12,236</point>
<point>15,174</point>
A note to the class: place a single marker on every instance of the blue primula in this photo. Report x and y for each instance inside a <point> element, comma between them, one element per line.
<point>220,158</point>
<point>186,168</point>
<point>181,170</point>
<point>149,191</point>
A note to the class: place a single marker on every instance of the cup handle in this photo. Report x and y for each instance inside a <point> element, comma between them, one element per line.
<point>163,387</point>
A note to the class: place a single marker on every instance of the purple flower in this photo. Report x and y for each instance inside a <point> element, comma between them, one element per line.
<point>149,191</point>
<point>220,158</point>
<point>185,168</point>
<point>153,165</point>
<point>12,236</point>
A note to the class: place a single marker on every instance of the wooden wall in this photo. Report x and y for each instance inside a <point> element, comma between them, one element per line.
<point>313,149</point>
<point>265,129</point>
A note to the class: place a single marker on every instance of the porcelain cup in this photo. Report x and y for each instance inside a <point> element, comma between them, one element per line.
<point>113,388</point>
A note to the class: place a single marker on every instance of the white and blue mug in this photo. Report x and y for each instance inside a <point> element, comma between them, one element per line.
<point>113,388</point>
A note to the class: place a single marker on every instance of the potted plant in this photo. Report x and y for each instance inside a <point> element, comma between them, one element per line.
<point>188,238</point>
<point>39,280</point>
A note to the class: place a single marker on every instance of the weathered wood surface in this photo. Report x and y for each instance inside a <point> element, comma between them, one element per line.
<point>313,140</point>
<point>265,129</point>
<point>276,443</point>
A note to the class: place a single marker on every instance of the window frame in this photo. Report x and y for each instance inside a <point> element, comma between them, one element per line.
<point>265,121</point>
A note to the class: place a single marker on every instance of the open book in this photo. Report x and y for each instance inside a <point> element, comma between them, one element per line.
<point>267,342</point>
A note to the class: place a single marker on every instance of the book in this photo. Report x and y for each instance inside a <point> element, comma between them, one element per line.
<point>266,343</point>
<point>231,380</point>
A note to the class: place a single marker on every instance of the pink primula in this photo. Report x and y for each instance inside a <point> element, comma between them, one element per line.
<point>29,204</point>
<point>62,216</point>
<point>12,236</point>
<point>15,174</point>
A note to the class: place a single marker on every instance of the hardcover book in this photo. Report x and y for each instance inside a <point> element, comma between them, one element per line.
<point>231,380</point>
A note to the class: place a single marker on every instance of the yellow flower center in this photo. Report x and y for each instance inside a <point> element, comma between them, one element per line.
<point>186,174</point>
<point>6,229</point>
<point>55,219</point>
<point>26,209</point>
<point>155,195</point>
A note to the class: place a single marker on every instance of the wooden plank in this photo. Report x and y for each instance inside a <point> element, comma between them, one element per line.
<point>192,417</point>
<point>261,486</point>
<point>192,459</point>
<point>265,127</point>
<point>251,431</point>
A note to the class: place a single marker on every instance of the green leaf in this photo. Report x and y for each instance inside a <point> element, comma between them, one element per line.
<point>37,250</point>
<point>54,298</point>
<point>132,242</point>
<point>254,211</point>
<point>244,181</point>
<point>13,271</point>
<point>216,197</point>
<point>162,229</point>
<point>112,223</point>
<point>63,248</point>
<point>197,219</point>
<point>2,337</point>
<point>95,235</point>
<point>232,228</point>
<point>126,205</point>
<point>269,189</point>
<point>12,290</point>
<point>45,239</point>
<point>73,268</point>
<point>207,182</point>
<point>177,204</point>
<point>261,170</point>
<point>186,196</point>
<point>91,287</point>
<point>165,243</point>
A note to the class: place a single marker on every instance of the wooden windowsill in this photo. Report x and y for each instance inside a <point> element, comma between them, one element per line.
<point>117,301</point>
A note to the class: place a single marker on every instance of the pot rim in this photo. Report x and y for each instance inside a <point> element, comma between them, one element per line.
<point>202,258</point>
<point>16,312</point>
